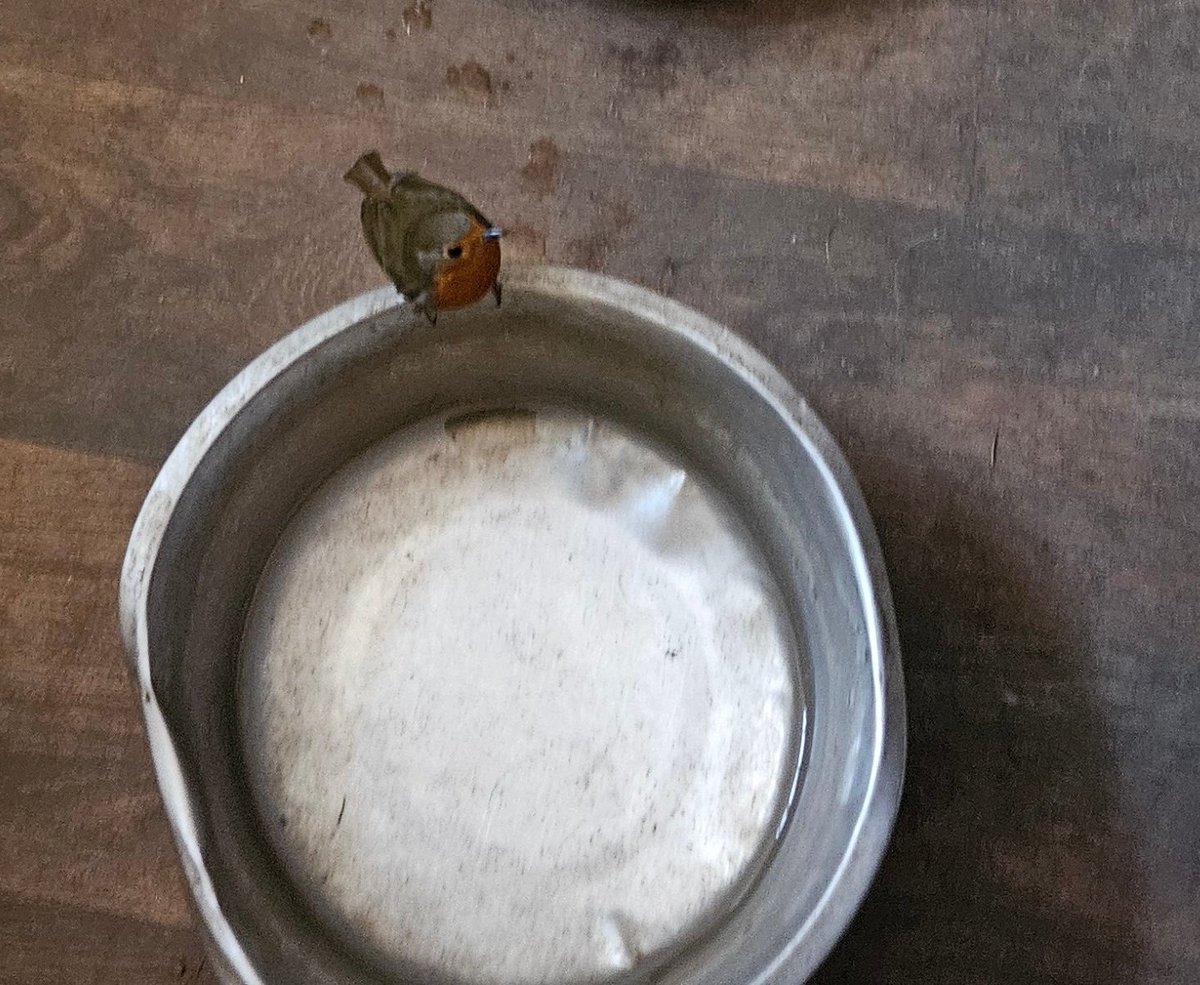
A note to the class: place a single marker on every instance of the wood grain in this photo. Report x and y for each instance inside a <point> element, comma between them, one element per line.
<point>89,883</point>
<point>967,229</point>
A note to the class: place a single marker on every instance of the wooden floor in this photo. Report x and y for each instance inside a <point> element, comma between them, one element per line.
<point>968,230</point>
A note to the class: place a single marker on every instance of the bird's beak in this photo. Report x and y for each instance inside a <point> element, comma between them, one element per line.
<point>493,232</point>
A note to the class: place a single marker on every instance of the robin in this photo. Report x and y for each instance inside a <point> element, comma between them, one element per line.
<point>436,247</point>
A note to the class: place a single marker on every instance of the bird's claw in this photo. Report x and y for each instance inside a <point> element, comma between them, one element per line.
<point>425,304</point>
<point>497,291</point>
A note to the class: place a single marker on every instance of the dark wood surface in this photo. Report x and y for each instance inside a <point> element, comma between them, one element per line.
<point>968,230</point>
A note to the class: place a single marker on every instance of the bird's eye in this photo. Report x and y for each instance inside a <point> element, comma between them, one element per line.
<point>454,252</point>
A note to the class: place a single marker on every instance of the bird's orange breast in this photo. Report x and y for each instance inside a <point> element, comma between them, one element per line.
<point>464,279</point>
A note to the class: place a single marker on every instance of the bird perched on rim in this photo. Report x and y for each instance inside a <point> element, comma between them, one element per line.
<point>437,248</point>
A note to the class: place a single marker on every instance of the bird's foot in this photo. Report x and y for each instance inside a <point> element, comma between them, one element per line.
<point>425,303</point>
<point>497,291</point>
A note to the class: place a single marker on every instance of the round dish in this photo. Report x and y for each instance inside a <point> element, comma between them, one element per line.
<point>603,536</point>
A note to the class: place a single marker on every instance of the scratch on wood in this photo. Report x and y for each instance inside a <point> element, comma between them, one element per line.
<point>833,227</point>
<point>908,249</point>
<point>666,278</point>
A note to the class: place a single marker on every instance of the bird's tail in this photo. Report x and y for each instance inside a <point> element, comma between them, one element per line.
<point>369,175</point>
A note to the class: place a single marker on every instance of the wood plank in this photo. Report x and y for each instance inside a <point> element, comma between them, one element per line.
<point>48,945</point>
<point>661,83</point>
<point>84,845</point>
<point>190,276</point>
<point>1054,112</point>
<point>1045,831</point>
<point>956,225</point>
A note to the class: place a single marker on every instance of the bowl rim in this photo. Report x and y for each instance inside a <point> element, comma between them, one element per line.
<point>812,941</point>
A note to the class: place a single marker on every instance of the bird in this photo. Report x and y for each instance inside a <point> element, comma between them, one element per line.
<point>435,246</point>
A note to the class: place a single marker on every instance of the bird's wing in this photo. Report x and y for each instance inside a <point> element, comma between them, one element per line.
<point>386,230</point>
<point>374,223</point>
<point>431,197</point>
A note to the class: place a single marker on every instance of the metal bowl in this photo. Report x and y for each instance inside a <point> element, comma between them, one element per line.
<point>302,792</point>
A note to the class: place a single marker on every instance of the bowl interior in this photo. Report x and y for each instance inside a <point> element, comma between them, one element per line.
<point>641,368</point>
<point>518,677</point>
